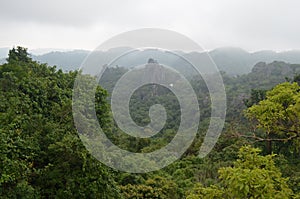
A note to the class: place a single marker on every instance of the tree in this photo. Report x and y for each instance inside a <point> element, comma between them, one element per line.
<point>156,187</point>
<point>297,79</point>
<point>20,54</point>
<point>256,96</point>
<point>252,176</point>
<point>212,192</point>
<point>41,154</point>
<point>278,115</point>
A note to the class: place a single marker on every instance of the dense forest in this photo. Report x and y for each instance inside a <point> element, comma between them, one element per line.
<point>257,155</point>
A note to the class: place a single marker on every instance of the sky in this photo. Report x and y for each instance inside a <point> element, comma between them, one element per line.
<point>76,24</point>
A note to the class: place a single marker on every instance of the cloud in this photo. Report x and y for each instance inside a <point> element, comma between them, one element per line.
<point>250,24</point>
<point>70,13</point>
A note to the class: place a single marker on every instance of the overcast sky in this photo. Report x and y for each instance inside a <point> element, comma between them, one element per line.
<point>77,24</point>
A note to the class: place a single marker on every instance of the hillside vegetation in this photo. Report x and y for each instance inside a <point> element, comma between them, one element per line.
<point>257,155</point>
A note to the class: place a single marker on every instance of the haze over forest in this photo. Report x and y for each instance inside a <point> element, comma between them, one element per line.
<point>44,129</point>
<point>234,61</point>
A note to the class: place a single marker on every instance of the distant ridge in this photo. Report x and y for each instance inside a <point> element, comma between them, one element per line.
<point>234,61</point>
<point>69,60</point>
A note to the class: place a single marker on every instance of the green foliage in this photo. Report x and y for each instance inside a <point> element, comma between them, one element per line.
<point>200,192</point>
<point>252,176</point>
<point>42,156</point>
<point>18,55</point>
<point>256,97</point>
<point>297,79</point>
<point>40,153</point>
<point>278,115</point>
<point>156,187</point>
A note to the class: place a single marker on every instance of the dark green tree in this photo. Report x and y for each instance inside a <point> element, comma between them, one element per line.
<point>19,54</point>
<point>41,154</point>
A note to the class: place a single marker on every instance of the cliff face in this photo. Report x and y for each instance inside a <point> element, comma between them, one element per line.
<point>276,68</point>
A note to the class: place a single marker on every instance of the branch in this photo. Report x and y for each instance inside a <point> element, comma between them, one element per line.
<point>261,139</point>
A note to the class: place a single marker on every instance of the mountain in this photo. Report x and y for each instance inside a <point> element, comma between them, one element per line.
<point>41,51</point>
<point>69,60</point>
<point>273,71</point>
<point>39,54</point>
<point>238,61</point>
<point>234,61</point>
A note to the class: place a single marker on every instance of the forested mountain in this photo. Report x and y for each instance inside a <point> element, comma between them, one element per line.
<point>233,61</point>
<point>43,157</point>
<point>239,61</point>
<point>70,60</point>
<point>230,60</point>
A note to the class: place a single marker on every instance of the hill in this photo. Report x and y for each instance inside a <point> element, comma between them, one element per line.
<point>234,61</point>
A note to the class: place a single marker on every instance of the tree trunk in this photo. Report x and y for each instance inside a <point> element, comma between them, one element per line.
<point>269,145</point>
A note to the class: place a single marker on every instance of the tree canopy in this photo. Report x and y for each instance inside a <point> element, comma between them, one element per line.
<point>279,114</point>
<point>252,176</point>
<point>42,155</point>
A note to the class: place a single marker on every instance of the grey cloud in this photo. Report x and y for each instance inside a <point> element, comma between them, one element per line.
<point>68,12</point>
<point>250,24</point>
